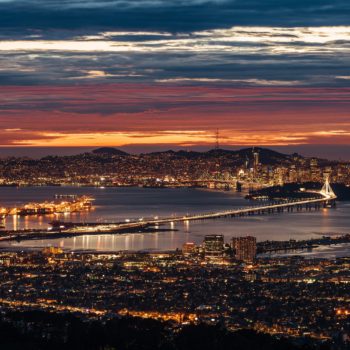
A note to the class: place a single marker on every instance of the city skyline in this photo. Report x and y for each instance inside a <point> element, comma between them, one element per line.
<point>160,74</point>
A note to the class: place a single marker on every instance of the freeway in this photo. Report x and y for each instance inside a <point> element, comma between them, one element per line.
<point>243,211</point>
<point>325,196</point>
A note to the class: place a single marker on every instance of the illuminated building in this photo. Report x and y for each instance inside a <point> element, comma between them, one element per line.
<point>52,251</point>
<point>256,158</point>
<point>73,204</point>
<point>188,248</point>
<point>293,174</point>
<point>244,248</point>
<point>214,246</point>
<point>313,162</point>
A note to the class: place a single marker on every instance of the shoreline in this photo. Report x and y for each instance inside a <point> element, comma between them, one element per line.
<point>308,249</point>
<point>316,253</point>
<point>44,235</point>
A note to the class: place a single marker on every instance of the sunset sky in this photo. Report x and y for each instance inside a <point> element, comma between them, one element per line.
<point>157,74</point>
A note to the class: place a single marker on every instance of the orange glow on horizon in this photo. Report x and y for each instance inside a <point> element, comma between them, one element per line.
<point>153,114</point>
<point>186,138</point>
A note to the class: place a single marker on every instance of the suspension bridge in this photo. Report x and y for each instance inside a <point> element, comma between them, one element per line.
<point>325,197</point>
<point>318,199</point>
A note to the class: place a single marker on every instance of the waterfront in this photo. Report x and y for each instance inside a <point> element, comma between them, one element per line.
<point>118,204</point>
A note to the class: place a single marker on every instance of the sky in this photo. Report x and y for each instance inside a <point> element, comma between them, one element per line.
<point>160,74</point>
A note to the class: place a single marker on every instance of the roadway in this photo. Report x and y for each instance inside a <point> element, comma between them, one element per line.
<point>246,211</point>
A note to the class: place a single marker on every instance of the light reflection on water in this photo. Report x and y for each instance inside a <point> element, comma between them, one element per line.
<point>117,204</point>
<point>327,252</point>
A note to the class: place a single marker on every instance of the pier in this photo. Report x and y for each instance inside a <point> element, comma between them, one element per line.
<point>61,204</point>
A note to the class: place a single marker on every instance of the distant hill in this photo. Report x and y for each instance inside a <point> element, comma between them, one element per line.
<point>266,156</point>
<point>109,151</point>
<point>177,154</point>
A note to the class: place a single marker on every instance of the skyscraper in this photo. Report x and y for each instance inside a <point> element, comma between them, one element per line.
<point>256,158</point>
<point>244,248</point>
<point>214,246</point>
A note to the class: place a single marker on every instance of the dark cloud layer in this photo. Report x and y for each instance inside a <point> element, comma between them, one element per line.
<point>176,41</point>
<point>170,15</point>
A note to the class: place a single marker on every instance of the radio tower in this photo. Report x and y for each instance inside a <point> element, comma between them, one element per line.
<point>217,140</point>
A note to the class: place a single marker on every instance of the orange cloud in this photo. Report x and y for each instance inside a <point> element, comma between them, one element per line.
<point>96,115</point>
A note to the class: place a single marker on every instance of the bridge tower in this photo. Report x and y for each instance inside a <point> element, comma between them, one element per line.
<point>327,189</point>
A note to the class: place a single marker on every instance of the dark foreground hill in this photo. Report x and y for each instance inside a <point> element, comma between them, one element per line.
<point>47,331</point>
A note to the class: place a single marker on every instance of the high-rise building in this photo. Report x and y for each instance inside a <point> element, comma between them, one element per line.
<point>256,158</point>
<point>256,162</point>
<point>214,246</point>
<point>244,248</point>
<point>188,248</point>
<point>293,174</point>
<point>313,162</point>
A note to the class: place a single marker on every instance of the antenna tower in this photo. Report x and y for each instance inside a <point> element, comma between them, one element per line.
<point>217,139</point>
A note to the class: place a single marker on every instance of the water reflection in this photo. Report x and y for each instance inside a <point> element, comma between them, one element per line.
<point>116,204</point>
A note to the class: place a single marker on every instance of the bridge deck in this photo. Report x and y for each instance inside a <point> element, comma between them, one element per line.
<point>242,211</point>
<point>327,195</point>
